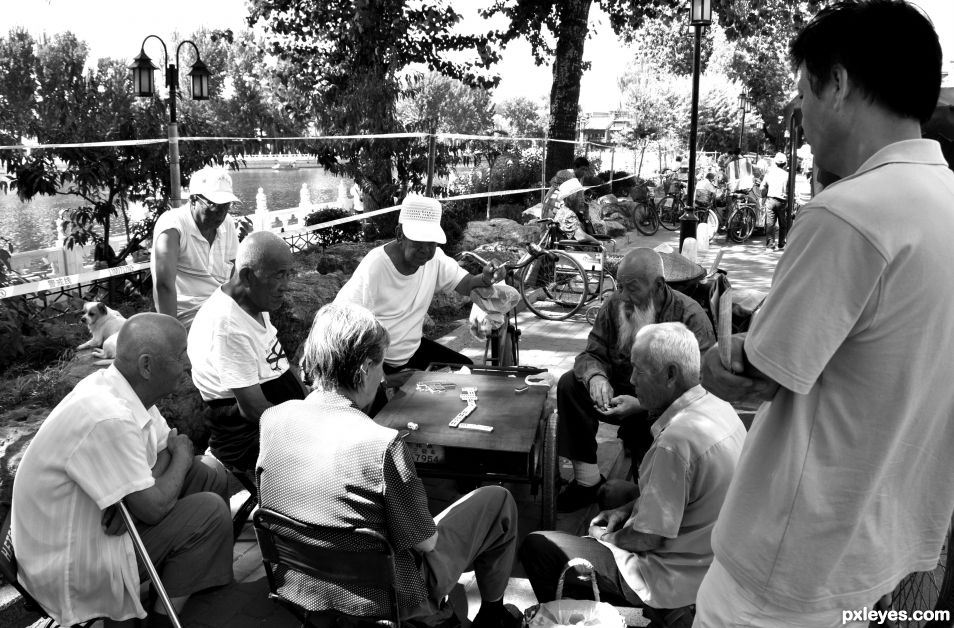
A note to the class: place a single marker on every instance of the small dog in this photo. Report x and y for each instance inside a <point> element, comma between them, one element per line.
<point>104,324</point>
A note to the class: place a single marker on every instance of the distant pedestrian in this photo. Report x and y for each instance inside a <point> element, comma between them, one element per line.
<point>775,192</point>
<point>843,487</point>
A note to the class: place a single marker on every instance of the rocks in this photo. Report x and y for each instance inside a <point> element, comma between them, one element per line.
<point>614,229</point>
<point>500,231</point>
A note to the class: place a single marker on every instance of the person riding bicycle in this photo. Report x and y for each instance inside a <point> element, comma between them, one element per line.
<point>707,192</point>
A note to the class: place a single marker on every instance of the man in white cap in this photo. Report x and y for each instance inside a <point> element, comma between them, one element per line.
<point>397,282</point>
<point>194,246</point>
<point>774,190</point>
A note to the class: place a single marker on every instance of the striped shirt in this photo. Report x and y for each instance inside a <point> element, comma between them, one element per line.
<point>97,446</point>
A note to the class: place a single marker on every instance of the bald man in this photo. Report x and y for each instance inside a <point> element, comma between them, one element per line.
<point>238,364</point>
<point>105,442</point>
<point>599,389</point>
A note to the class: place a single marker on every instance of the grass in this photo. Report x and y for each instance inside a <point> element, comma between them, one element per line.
<point>43,388</point>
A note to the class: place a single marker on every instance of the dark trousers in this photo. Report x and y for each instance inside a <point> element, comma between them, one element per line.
<point>544,554</point>
<point>428,352</point>
<point>579,422</point>
<point>775,212</point>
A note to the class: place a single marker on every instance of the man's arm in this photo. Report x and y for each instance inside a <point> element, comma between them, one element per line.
<point>742,382</point>
<point>484,280</point>
<point>251,401</point>
<point>166,252</point>
<point>152,504</point>
<point>632,541</point>
<point>593,366</point>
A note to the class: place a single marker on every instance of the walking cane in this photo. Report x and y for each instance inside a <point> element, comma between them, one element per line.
<point>144,556</point>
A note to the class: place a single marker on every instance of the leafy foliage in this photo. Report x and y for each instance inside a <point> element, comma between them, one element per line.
<point>447,105</point>
<point>348,232</point>
<point>523,117</point>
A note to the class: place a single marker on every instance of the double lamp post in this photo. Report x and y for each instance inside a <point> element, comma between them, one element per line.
<point>144,87</point>
<point>700,15</point>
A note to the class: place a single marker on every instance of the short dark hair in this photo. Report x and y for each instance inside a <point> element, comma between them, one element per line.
<point>581,162</point>
<point>888,47</point>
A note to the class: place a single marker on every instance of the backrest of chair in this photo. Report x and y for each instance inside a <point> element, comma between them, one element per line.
<point>8,561</point>
<point>280,540</point>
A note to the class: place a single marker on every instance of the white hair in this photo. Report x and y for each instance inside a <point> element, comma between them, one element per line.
<point>670,343</point>
<point>342,337</point>
<point>257,249</point>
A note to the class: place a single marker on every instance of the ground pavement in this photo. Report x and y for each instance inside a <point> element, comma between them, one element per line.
<point>548,344</point>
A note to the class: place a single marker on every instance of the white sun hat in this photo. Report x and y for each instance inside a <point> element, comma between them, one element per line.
<point>420,219</point>
<point>214,184</point>
<point>780,158</point>
<point>569,187</point>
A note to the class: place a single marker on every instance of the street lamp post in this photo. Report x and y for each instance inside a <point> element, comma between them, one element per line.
<point>700,15</point>
<point>143,85</point>
<point>744,102</point>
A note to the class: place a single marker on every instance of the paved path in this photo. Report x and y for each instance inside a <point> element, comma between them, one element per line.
<point>552,345</point>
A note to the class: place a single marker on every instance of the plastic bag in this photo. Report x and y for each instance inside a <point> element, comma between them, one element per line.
<point>560,612</point>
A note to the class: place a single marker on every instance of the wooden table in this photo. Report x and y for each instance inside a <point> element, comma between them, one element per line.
<point>521,447</point>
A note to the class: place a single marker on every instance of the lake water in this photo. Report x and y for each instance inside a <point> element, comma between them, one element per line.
<point>30,226</point>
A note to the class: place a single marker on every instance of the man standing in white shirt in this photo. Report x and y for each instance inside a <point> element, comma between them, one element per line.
<point>106,442</point>
<point>194,246</point>
<point>844,484</point>
<point>775,192</point>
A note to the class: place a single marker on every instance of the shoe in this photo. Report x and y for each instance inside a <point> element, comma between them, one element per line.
<point>498,616</point>
<point>770,244</point>
<point>575,496</point>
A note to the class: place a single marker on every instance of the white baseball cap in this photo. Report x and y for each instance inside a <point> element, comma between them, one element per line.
<point>215,184</point>
<point>420,219</point>
<point>780,158</point>
<point>569,187</point>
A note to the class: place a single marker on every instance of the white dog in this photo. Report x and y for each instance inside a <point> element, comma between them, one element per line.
<point>104,324</point>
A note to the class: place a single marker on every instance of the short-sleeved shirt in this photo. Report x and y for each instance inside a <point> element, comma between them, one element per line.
<point>400,302</point>
<point>739,175</point>
<point>846,474</point>
<point>683,479</point>
<point>230,349</point>
<point>202,268</point>
<point>603,356</point>
<point>775,183</point>
<point>96,447</point>
<point>324,462</point>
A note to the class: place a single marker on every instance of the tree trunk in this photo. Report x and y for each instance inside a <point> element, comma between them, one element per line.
<point>565,93</point>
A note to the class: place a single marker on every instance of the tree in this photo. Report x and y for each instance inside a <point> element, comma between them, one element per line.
<point>522,117</point>
<point>347,61</point>
<point>17,85</point>
<point>447,106</point>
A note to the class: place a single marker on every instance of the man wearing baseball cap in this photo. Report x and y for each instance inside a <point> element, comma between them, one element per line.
<point>774,191</point>
<point>194,246</point>
<point>397,282</point>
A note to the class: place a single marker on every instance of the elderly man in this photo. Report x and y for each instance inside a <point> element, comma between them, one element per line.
<point>397,282</point>
<point>107,442</point>
<point>598,388</point>
<point>194,247</point>
<point>238,364</point>
<point>655,550</point>
<point>845,477</point>
<point>324,461</point>
<point>774,190</point>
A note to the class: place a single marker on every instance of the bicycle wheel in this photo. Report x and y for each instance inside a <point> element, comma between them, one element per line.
<point>550,470</point>
<point>741,223</point>
<point>669,210</point>
<point>713,219</point>
<point>554,289</point>
<point>928,590</point>
<point>646,219</point>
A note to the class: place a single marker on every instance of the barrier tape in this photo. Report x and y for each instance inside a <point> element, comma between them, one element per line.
<point>69,280</point>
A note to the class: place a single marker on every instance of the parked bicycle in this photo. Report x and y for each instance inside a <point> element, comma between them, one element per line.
<point>649,215</point>
<point>742,212</point>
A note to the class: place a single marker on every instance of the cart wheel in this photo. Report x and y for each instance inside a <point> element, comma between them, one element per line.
<point>550,470</point>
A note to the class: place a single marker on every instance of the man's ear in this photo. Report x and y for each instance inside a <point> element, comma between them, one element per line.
<point>840,84</point>
<point>145,365</point>
<point>246,276</point>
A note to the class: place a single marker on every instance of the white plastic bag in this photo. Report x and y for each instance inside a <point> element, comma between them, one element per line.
<point>577,613</point>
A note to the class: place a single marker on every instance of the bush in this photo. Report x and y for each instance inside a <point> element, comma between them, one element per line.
<point>620,188</point>
<point>348,232</point>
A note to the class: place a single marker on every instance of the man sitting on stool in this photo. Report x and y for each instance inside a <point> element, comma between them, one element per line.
<point>655,550</point>
<point>238,364</point>
<point>598,388</point>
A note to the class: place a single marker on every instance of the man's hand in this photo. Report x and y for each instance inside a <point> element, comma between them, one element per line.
<point>621,406</point>
<point>608,521</point>
<point>601,392</point>
<point>734,385</point>
<point>179,445</point>
<point>113,523</point>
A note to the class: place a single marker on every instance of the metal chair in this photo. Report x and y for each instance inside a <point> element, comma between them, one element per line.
<point>280,539</point>
<point>8,568</point>
<point>247,480</point>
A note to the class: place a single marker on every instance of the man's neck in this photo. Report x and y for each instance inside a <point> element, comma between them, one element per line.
<point>872,128</point>
<point>393,251</point>
<point>240,295</point>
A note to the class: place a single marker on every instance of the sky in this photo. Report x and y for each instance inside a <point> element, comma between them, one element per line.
<point>121,35</point>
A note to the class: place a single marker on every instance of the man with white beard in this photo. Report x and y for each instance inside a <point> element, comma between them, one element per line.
<point>599,389</point>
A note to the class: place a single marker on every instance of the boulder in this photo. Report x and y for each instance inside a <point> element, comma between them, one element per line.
<point>614,228</point>
<point>497,230</point>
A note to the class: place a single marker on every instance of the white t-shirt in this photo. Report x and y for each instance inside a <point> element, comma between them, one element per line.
<point>400,302</point>
<point>844,485</point>
<point>739,175</point>
<point>230,349</point>
<point>202,267</point>
<point>96,447</point>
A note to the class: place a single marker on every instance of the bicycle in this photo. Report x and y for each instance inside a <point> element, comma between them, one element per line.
<point>742,215</point>
<point>555,286</point>
<point>648,215</point>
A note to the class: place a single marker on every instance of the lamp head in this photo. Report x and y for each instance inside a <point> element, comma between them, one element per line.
<point>142,70</point>
<point>200,80</point>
